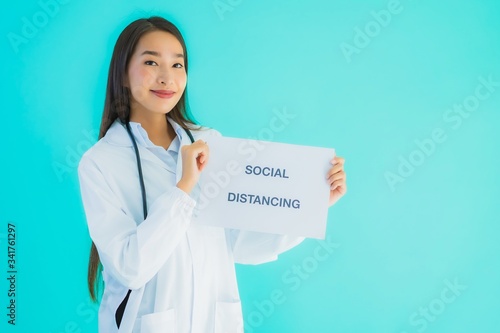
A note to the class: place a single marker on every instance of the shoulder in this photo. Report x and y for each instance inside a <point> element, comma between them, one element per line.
<point>104,155</point>
<point>95,154</point>
<point>205,132</point>
<point>111,148</point>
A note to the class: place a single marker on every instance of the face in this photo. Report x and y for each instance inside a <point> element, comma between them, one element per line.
<point>156,75</point>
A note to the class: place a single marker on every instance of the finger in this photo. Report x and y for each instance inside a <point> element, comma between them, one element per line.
<point>337,183</point>
<point>201,166</point>
<point>333,170</point>
<point>205,160</point>
<point>204,153</point>
<point>197,147</point>
<point>337,160</point>
<point>201,157</point>
<point>337,176</point>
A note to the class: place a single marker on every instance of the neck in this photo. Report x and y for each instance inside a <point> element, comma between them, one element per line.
<point>159,130</point>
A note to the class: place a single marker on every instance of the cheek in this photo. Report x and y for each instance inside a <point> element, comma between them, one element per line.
<point>140,79</point>
<point>181,81</point>
<point>142,76</point>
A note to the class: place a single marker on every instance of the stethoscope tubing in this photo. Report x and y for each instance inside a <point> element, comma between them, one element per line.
<point>139,166</point>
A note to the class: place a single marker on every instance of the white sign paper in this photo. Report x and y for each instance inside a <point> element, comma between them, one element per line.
<point>265,186</point>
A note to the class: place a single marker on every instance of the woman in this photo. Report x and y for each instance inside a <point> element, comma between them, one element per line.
<point>161,272</point>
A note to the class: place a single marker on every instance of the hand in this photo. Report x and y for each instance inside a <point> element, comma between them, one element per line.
<point>336,178</point>
<point>194,160</point>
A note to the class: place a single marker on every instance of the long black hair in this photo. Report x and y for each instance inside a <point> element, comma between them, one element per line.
<point>117,103</point>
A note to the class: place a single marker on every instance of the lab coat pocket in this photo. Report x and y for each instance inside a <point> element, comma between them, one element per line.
<point>163,322</point>
<point>228,317</point>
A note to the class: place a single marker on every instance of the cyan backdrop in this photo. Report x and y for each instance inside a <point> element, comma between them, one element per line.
<point>407,91</point>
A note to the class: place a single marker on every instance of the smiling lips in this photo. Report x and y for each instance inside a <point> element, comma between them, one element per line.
<point>163,93</point>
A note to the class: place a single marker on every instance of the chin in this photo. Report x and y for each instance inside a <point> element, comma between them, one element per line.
<point>163,108</point>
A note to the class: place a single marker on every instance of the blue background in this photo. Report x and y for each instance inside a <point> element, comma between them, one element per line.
<point>397,246</point>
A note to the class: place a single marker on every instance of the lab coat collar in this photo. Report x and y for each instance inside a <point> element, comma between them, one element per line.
<point>117,134</point>
<point>181,132</point>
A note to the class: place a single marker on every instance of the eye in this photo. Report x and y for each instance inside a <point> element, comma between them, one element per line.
<point>151,63</point>
<point>178,65</point>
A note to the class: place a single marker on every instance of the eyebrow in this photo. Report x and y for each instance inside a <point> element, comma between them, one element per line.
<point>158,54</point>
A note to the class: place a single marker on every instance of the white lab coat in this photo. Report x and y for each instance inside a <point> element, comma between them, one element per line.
<point>182,275</point>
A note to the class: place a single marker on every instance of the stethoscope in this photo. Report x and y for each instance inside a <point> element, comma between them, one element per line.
<point>121,308</point>
<point>139,166</point>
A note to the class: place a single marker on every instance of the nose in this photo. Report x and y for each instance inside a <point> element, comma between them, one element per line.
<point>165,77</point>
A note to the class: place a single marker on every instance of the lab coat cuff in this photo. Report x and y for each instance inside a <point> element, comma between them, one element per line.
<point>184,197</point>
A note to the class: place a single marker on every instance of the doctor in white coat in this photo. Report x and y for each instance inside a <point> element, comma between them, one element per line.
<point>162,272</point>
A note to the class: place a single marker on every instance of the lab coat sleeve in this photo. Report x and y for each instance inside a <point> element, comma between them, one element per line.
<point>132,253</point>
<point>251,247</point>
